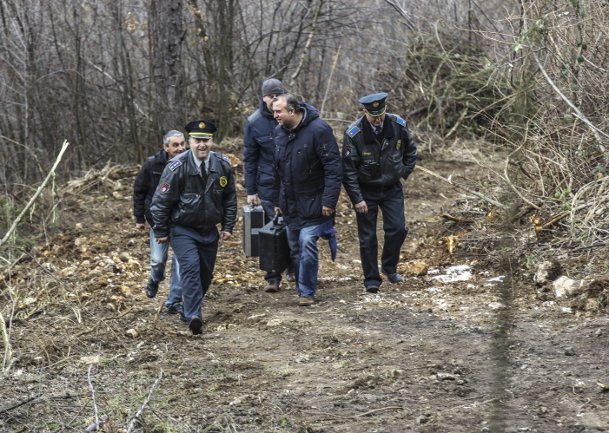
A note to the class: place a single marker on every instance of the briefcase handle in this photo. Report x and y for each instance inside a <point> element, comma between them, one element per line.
<point>276,220</point>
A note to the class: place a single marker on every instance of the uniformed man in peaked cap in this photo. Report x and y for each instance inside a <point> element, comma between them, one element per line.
<point>378,151</point>
<point>195,194</point>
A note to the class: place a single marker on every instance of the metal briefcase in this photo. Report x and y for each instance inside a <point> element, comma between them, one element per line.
<point>253,220</point>
<point>273,246</point>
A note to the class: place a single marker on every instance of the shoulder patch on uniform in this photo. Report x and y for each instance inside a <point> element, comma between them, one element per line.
<point>352,131</point>
<point>173,165</point>
<point>399,120</point>
<point>164,187</point>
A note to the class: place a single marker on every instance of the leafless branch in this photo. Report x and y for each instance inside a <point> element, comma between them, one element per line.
<point>21,403</point>
<point>596,131</point>
<point>461,187</point>
<point>97,424</point>
<point>7,360</point>
<point>305,51</point>
<point>139,413</point>
<point>50,175</point>
<point>323,102</point>
<point>402,12</point>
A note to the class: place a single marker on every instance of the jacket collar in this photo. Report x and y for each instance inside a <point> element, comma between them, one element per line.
<point>193,169</point>
<point>368,131</point>
<point>264,110</point>
<point>162,156</point>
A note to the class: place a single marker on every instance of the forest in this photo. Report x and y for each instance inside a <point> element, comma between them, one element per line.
<point>508,102</point>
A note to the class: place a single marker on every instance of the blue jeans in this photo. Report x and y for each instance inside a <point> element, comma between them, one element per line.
<point>196,253</point>
<point>158,260</point>
<point>303,249</point>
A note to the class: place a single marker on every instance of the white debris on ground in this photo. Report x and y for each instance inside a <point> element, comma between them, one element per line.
<point>451,274</point>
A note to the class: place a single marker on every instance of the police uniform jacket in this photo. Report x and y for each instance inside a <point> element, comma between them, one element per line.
<point>307,161</point>
<point>258,151</point>
<point>145,185</point>
<point>376,164</point>
<point>182,199</point>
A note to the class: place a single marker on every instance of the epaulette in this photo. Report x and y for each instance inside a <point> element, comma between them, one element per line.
<point>222,156</point>
<point>173,165</point>
<point>352,131</point>
<point>399,120</point>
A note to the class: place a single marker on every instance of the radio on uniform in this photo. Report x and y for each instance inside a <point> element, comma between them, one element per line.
<point>253,220</point>
<point>274,248</point>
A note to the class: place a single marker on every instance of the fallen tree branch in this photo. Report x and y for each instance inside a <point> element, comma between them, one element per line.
<point>96,425</point>
<point>139,413</point>
<point>36,194</point>
<point>380,409</point>
<point>7,360</point>
<point>21,403</point>
<point>449,217</point>
<point>461,187</point>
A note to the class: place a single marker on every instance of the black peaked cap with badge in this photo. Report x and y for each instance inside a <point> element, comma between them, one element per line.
<point>375,103</point>
<point>203,129</point>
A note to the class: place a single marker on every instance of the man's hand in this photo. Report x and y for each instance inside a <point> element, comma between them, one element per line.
<point>162,240</point>
<point>361,207</point>
<point>327,211</point>
<point>253,199</point>
<point>224,236</point>
<point>277,210</point>
<point>140,226</point>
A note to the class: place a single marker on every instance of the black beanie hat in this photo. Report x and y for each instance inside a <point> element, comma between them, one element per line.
<point>273,86</point>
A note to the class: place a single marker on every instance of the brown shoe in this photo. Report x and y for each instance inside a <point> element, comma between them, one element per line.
<point>271,286</point>
<point>305,301</point>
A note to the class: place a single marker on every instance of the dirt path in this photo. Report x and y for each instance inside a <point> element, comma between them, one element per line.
<point>421,356</point>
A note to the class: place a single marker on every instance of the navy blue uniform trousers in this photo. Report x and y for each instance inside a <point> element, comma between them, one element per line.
<point>391,203</point>
<point>196,252</point>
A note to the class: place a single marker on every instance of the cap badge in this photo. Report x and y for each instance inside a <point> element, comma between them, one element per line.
<point>202,125</point>
<point>375,104</point>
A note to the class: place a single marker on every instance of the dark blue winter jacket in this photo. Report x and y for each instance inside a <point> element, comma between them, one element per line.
<point>309,169</point>
<point>258,150</point>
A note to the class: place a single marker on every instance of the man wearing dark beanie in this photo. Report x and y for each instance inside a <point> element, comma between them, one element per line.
<point>273,87</point>
<point>258,153</point>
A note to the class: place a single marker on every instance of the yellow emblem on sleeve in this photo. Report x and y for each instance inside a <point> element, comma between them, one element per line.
<point>223,181</point>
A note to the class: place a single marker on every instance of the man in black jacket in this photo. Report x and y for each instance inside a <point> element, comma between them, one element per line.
<point>143,190</point>
<point>378,151</point>
<point>309,170</point>
<point>195,194</point>
<point>258,151</point>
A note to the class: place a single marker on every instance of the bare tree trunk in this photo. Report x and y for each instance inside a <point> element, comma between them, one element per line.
<point>132,136</point>
<point>166,37</point>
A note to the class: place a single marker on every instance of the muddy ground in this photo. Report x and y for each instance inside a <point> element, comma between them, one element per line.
<point>486,354</point>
